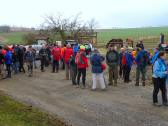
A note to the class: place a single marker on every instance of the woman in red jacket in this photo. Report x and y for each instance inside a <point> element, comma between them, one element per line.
<point>67,55</point>
<point>82,65</point>
<point>56,52</point>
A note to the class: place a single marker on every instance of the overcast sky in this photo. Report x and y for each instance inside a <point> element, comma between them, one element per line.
<point>108,13</point>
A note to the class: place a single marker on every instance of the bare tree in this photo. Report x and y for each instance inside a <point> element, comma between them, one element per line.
<point>63,25</point>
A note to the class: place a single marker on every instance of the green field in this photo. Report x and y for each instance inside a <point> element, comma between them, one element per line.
<point>13,37</point>
<point>150,35</point>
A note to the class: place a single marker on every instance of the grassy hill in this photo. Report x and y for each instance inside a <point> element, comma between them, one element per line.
<point>150,35</point>
<point>12,37</point>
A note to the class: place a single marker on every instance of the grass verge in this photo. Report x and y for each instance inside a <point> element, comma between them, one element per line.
<point>13,113</point>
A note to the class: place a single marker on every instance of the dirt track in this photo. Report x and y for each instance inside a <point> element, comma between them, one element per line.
<point>125,105</point>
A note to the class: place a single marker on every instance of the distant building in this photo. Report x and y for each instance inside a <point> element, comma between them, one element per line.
<point>40,40</point>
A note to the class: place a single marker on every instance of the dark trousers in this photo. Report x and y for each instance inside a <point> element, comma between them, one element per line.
<point>159,84</point>
<point>43,60</point>
<point>63,64</point>
<point>55,65</point>
<point>121,72</point>
<point>8,68</point>
<point>141,70</point>
<point>81,71</point>
<point>127,70</point>
<point>21,67</point>
<point>73,71</point>
<point>30,68</point>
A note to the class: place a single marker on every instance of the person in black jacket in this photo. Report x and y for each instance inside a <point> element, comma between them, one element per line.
<point>73,69</point>
<point>140,45</point>
<point>43,55</point>
<point>112,60</point>
<point>21,59</point>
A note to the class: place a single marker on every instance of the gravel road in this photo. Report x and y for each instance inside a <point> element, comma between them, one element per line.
<point>125,105</point>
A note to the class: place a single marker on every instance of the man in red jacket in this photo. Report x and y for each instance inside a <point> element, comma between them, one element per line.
<point>82,65</point>
<point>67,55</point>
<point>56,52</point>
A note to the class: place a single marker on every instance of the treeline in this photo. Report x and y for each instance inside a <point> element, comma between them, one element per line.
<point>7,29</point>
<point>4,29</point>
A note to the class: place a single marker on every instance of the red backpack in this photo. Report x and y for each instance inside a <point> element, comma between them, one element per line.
<point>123,59</point>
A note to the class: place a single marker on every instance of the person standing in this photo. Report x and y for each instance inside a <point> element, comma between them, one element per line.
<point>8,61</point>
<point>82,64</point>
<point>73,68</point>
<point>21,59</point>
<point>63,48</point>
<point>34,58</point>
<point>142,60</point>
<point>160,73</point>
<point>121,73</point>
<point>29,60</point>
<point>67,55</point>
<point>48,56</point>
<point>43,55</point>
<point>140,45</point>
<point>96,61</point>
<point>112,60</point>
<point>161,38</point>
<point>15,59</point>
<point>127,56</point>
<point>1,63</point>
<point>56,53</point>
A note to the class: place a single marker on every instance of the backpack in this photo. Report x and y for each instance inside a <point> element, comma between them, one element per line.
<point>144,59</point>
<point>124,59</point>
<point>79,59</point>
<point>112,57</point>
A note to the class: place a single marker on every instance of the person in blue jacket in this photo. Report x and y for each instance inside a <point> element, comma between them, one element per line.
<point>155,56</point>
<point>8,62</point>
<point>160,73</point>
<point>97,70</point>
<point>142,59</point>
<point>129,62</point>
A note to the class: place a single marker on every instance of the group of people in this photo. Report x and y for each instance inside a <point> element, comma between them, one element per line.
<point>75,61</point>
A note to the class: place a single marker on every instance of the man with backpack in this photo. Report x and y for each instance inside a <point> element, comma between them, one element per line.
<point>56,52</point>
<point>82,65</point>
<point>142,60</point>
<point>112,60</point>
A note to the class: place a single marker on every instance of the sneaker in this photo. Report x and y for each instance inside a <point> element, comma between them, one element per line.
<point>83,87</point>
<point>77,86</point>
<point>93,89</point>
<point>156,104</point>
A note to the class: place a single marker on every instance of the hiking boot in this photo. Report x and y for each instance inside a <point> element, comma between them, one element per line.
<point>137,84</point>
<point>83,87</point>
<point>143,84</point>
<point>110,84</point>
<point>165,104</point>
<point>115,85</point>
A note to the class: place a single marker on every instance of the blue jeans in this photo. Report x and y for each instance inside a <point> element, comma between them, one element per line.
<point>15,67</point>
